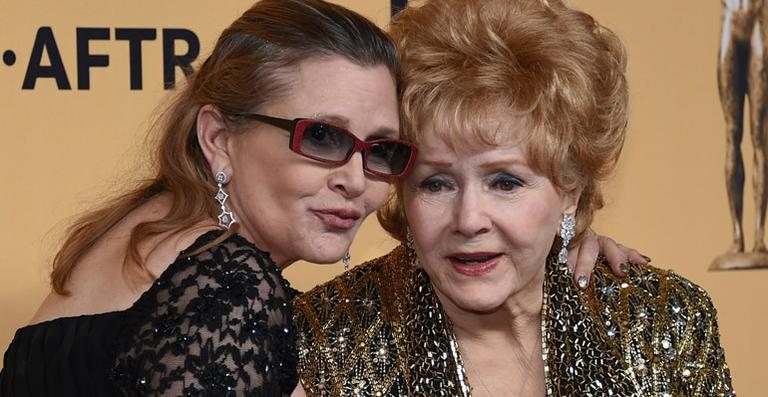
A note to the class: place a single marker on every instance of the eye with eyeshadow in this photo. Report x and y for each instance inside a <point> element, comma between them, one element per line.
<point>506,182</point>
<point>436,184</point>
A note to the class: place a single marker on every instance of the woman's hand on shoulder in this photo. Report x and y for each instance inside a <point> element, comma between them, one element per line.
<point>582,258</point>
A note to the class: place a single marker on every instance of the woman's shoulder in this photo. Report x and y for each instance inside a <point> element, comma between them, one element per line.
<point>661,289</point>
<point>215,247</point>
<point>346,329</point>
<point>219,269</point>
<point>224,305</point>
<point>664,325</point>
<point>225,248</point>
<point>649,299</point>
<point>353,301</point>
<point>359,282</point>
<point>218,258</point>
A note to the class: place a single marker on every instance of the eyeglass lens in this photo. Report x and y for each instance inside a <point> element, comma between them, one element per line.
<point>330,143</point>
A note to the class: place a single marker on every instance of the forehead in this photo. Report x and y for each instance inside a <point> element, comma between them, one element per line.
<point>362,98</point>
<point>474,132</point>
<point>437,153</point>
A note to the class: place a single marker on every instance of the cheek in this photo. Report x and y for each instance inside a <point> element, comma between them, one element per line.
<point>283,184</point>
<point>278,188</point>
<point>534,224</point>
<point>376,194</point>
<point>428,218</point>
<point>264,172</point>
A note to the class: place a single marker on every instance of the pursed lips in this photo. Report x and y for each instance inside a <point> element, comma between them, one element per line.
<point>338,218</point>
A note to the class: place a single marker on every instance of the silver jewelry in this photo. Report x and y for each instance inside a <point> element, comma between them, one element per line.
<point>567,231</point>
<point>409,243</point>
<point>226,218</point>
<point>345,259</point>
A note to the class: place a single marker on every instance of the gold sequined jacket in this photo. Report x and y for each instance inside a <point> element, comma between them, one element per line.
<point>379,330</point>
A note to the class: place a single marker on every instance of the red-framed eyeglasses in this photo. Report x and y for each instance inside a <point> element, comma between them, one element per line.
<point>324,142</point>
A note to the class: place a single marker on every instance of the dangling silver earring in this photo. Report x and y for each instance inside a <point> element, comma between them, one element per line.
<point>567,231</point>
<point>409,243</point>
<point>345,259</point>
<point>226,218</point>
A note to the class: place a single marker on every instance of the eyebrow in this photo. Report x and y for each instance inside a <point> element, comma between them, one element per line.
<point>341,121</point>
<point>488,165</point>
<point>337,120</point>
<point>507,161</point>
<point>436,163</point>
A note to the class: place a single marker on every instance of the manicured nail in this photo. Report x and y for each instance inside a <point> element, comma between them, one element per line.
<point>582,281</point>
<point>647,259</point>
<point>624,267</point>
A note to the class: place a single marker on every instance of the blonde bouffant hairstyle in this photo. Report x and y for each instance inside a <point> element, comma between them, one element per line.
<point>552,65</point>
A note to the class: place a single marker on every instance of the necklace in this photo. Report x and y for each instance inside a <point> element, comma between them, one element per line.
<point>466,367</point>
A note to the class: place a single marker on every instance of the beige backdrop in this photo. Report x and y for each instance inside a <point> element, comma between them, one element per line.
<point>62,149</point>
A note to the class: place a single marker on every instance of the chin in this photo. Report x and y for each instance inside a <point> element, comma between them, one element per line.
<point>481,306</point>
<point>327,253</point>
<point>322,258</point>
<point>477,302</point>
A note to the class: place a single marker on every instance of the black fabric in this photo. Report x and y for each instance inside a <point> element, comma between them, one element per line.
<point>216,323</point>
<point>68,356</point>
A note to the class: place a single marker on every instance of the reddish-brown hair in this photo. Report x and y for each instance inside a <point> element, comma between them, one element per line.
<point>245,70</point>
<point>556,67</point>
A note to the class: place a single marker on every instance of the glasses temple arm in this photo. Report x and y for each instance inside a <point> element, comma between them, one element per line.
<point>284,124</point>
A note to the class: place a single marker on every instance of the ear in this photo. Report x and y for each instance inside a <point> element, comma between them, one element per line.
<point>571,200</point>
<point>213,137</point>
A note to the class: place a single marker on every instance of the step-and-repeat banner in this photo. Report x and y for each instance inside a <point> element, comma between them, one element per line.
<point>81,80</point>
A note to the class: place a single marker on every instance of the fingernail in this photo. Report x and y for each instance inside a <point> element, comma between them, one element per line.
<point>647,259</point>
<point>582,281</point>
<point>624,267</point>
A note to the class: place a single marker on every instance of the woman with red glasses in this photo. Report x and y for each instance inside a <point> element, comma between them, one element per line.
<point>276,150</point>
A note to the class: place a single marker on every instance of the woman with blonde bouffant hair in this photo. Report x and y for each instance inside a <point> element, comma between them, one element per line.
<point>519,111</point>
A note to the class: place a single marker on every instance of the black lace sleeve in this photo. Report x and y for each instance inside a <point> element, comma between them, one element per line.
<point>214,324</point>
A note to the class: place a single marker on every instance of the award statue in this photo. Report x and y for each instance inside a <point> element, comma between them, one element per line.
<point>741,74</point>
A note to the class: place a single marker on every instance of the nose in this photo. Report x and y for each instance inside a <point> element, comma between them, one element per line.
<point>349,178</point>
<point>470,216</point>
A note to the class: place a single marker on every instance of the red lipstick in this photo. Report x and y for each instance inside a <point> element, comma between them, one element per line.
<point>474,264</point>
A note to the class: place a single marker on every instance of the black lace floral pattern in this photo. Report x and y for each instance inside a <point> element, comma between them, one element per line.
<point>217,323</point>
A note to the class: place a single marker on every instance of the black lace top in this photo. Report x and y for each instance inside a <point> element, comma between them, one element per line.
<point>216,323</point>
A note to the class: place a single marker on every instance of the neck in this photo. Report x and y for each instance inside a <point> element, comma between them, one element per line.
<point>518,318</point>
<point>280,262</point>
<point>502,349</point>
<point>251,235</point>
